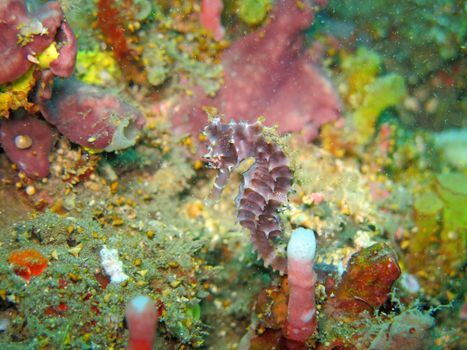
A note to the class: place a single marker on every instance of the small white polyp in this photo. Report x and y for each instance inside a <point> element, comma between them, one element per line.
<point>302,245</point>
<point>112,265</point>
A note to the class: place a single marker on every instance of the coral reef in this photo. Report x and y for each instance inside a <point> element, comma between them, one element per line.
<point>43,39</point>
<point>27,263</point>
<point>210,17</point>
<point>25,36</point>
<point>14,95</point>
<point>426,49</point>
<point>253,12</point>
<point>411,329</point>
<point>109,236</point>
<point>363,287</point>
<point>301,311</point>
<point>111,23</point>
<point>366,92</point>
<point>84,114</point>
<point>341,305</point>
<point>452,144</point>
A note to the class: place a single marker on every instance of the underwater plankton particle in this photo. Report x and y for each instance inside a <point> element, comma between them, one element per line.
<point>23,141</point>
<point>27,263</point>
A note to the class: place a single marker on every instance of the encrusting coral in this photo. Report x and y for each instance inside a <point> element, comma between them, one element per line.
<point>267,74</point>
<point>34,47</point>
<point>92,117</point>
<point>37,48</point>
<point>32,156</point>
<point>25,36</point>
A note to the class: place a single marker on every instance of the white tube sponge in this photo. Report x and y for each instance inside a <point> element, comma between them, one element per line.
<point>302,245</point>
<point>301,319</point>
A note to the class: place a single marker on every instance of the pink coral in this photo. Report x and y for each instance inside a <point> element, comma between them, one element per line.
<point>210,17</point>
<point>91,116</point>
<point>301,319</point>
<point>266,73</point>
<point>86,115</point>
<point>141,316</point>
<point>23,36</point>
<point>27,141</point>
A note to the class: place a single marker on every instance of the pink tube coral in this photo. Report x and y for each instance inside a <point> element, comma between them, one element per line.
<point>301,320</point>
<point>210,17</point>
<point>141,316</point>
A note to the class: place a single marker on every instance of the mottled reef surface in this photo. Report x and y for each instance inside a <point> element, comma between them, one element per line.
<point>349,120</point>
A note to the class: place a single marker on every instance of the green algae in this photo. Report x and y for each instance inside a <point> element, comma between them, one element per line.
<point>383,92</point>
<point>253,12</point>
<point>74,278</point>
<point>452,188</point>
<point>427,207</point>
<point>361,68</point>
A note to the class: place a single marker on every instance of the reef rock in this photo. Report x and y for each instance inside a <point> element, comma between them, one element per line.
<point>366,283</point>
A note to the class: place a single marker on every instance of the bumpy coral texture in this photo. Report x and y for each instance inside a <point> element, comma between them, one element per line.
<point>267,73</point>
<point>23,36</point>
<point>265,185</point>
<point>92,117</point>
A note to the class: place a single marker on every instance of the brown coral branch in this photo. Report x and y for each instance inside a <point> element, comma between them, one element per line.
<point>265,184</point>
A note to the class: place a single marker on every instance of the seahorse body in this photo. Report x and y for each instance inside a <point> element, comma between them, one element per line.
<point>265,184</point>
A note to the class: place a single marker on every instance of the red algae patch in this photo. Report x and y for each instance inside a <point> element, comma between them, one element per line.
<point>27,263</point>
